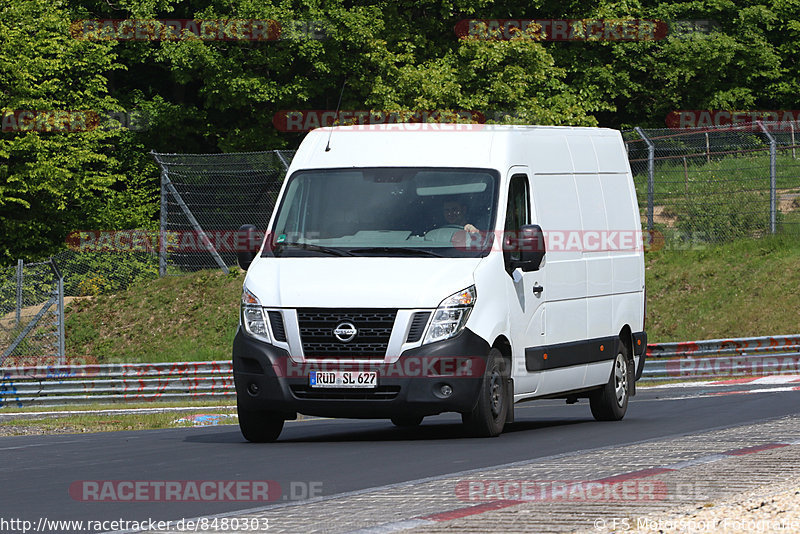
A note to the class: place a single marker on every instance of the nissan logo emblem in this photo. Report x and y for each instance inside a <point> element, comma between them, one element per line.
<point>345,332</point>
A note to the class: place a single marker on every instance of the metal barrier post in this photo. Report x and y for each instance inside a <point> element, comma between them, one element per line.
<point>773,179</point>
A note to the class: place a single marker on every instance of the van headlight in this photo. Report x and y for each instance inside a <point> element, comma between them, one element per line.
<point>451,315</point>
<point>252,317</point>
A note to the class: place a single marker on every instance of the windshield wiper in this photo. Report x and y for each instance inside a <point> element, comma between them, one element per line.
<point>400,251</point>
<point>316,248</point>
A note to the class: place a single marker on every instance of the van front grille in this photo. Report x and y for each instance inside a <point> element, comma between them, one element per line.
<point>373,328</point>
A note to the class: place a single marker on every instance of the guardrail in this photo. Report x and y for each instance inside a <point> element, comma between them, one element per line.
<point>719,359</point>
<point>55,385</point>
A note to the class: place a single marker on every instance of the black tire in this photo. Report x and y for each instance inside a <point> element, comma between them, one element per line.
<point>611,402</point>
<point>488,417</point>
<point>259,426</point>
<point>407,420</point>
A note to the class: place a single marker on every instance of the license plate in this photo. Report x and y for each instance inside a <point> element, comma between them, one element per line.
<point>343,379</point>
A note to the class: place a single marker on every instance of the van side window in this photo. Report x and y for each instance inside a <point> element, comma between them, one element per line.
<point>517,210</point>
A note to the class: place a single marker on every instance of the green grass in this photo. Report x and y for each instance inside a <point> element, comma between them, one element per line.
<point>740,289</point>
<point>82,423</point>
<point>719,200</point>
<point>729,173</point>
<point>176,318</point>
<point>213,404</point>
<point>745,288</point>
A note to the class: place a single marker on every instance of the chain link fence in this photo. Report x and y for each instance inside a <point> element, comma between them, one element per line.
<point>31,314</point>
<point>205,198</point>
<point>695,187</point>
<point>710,185</point>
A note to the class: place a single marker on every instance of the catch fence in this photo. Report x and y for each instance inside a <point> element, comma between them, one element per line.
<point>711,185</point>
<point>205,198</point>
<point>31,313</point>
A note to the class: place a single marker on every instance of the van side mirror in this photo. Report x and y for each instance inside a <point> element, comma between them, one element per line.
<point>246,245</point>
<point>530,241</point>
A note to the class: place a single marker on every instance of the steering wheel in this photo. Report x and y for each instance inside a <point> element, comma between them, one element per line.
<point>443,233</point>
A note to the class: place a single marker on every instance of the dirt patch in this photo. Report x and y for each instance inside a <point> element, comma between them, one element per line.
<point>7,321</point>
<point>789,200</point>
<point>661,215</point>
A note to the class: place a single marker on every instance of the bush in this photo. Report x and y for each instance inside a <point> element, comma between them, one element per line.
<point>97,273</point>
<point>717,218</point>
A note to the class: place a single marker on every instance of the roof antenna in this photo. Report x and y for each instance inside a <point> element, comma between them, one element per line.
<point>336,119</point>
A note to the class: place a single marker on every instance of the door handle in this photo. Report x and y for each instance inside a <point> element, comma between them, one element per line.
<point>537,289</point>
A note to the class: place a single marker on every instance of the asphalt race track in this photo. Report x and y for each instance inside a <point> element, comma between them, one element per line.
<point>329,457</point>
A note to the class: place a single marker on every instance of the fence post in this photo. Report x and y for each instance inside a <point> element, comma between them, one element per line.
<point>162,227</point>
<point>20,274</point>
<point>708,150</point>
<point>791,127</point>
<point>61,338</point>
<point>59,295</point>
<point>651,163</point>
<point>283,160</point>
<point>773,179</point>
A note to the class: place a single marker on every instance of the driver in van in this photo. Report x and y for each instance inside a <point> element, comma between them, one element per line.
<point>455,214</point>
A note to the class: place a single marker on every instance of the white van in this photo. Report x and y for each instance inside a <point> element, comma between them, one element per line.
<point>410,270</point>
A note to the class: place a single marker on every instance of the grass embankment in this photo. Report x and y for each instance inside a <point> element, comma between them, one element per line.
<point>745,288</point>
<point>172,319</point>
<point>740,289</point>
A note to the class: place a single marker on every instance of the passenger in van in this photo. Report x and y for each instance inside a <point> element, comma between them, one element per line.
<point>455,213</point>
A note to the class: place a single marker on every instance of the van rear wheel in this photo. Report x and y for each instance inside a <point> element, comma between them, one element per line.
<point>407,420</point>
<point>611,402</point>
<point>488,417</point>
<point>259,426</point>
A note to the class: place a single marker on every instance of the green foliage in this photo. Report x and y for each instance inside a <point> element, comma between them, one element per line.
<point>729,217</point>
<point>52,182</point>
<point>205,96</point>
<point>98,273</point>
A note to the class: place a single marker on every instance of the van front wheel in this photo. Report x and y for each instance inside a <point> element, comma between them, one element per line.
<point>611,402</point>
<point>488,417</point>
<point>259,426</point>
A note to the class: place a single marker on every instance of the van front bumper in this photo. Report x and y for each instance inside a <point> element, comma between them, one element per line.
<point>266,378</point>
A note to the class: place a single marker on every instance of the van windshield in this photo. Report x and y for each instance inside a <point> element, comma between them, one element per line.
<point>398,211</point>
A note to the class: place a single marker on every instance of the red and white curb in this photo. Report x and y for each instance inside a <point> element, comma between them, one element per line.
<point>482,508</point>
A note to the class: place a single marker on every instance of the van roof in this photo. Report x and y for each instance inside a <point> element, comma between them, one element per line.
<point>565,148</point>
